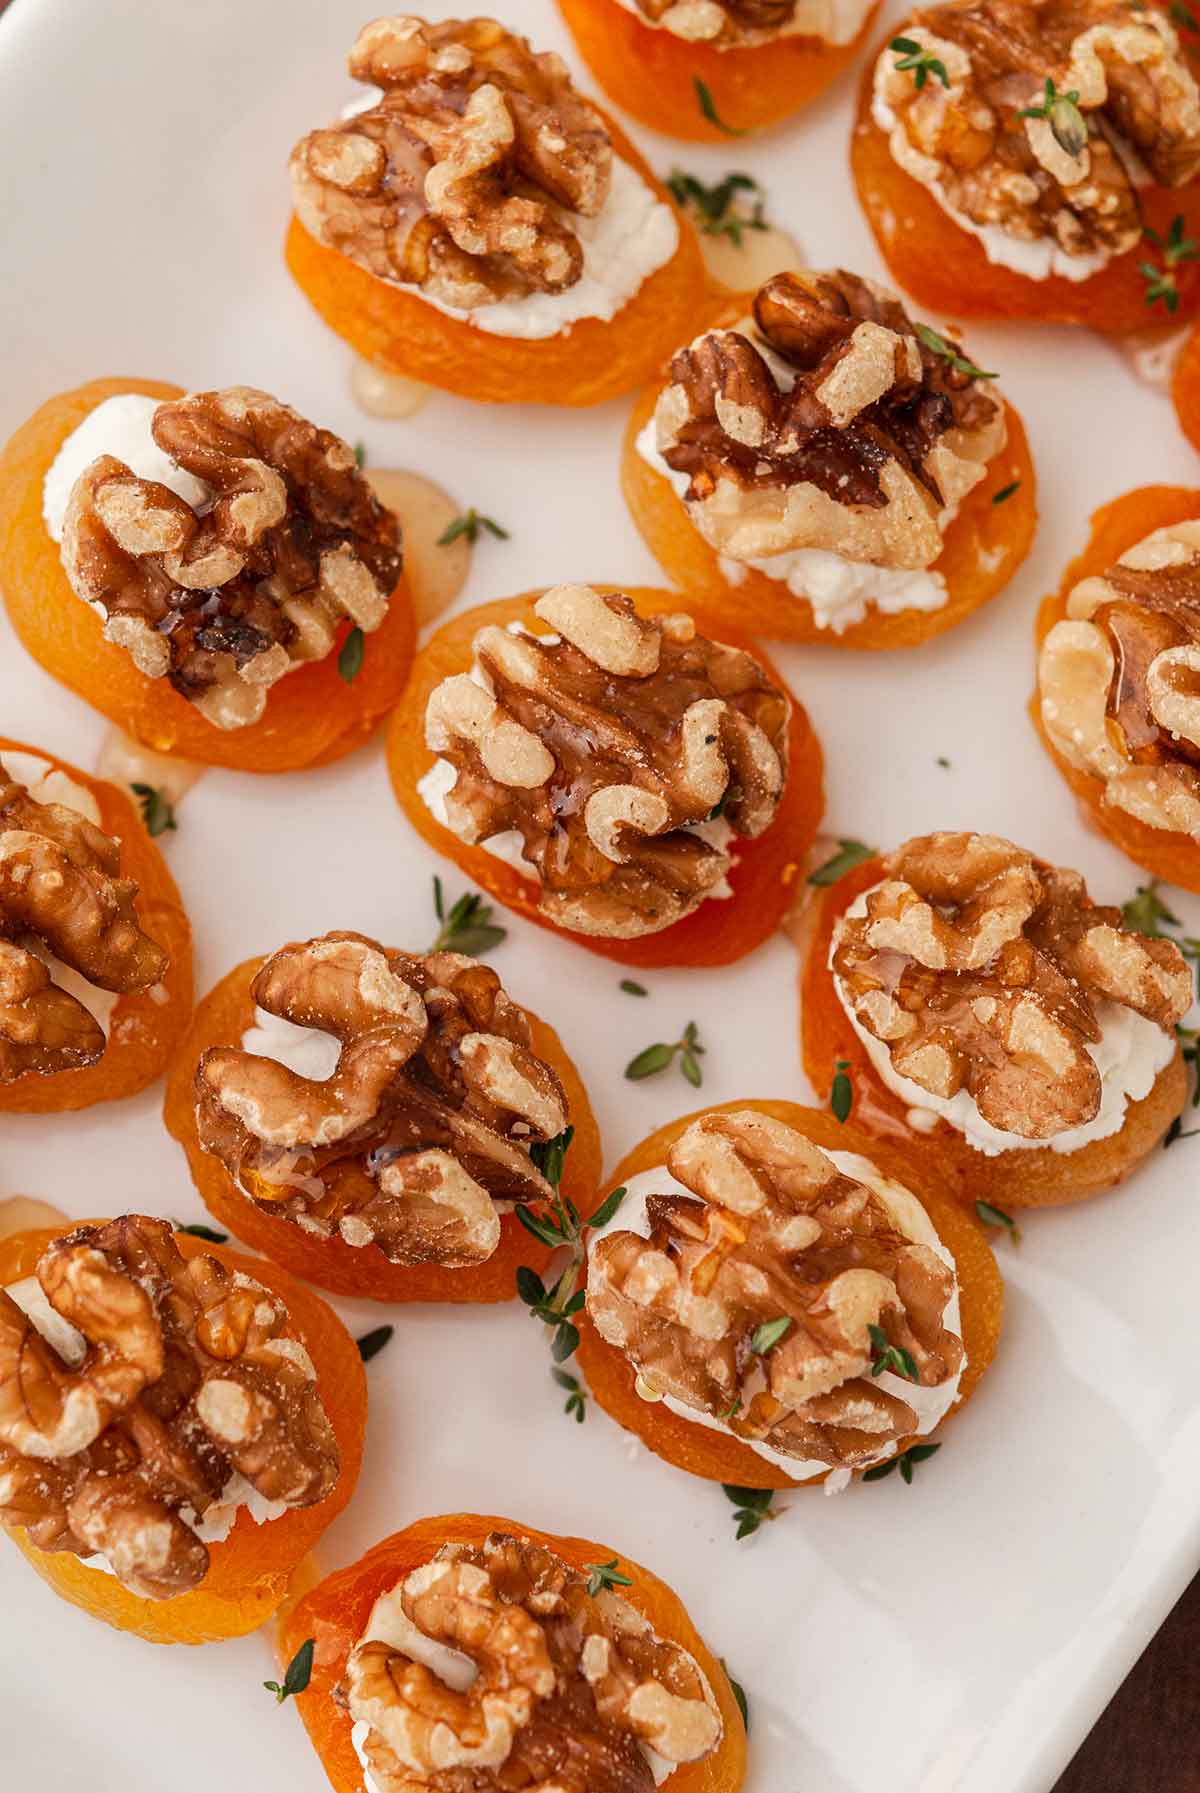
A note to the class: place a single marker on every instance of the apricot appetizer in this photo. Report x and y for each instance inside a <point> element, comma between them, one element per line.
<point>779,1299</point>
<point>371,1118</point>
<point>602,766</point>
<point>467,1651</point>
<point>704,69</point>
<point>478,225</point>
<point>95,948</point>
<point>980,1004</point>
<point>178,1425</point>
<point>1118,657</point>
<point>193,566</point>
<point>830,469</point>
<point>1035,159</point>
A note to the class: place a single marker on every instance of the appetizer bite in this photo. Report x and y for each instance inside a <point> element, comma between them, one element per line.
<point>371,1119</point>
<point>478,225</point>
<point>977,1003</point>
<point>196,565</point>
<point>1035,159</point>
<point>708,69</point>
<point>470,1652</point>
<point>603,766</point>
<point>1117,702</point>
<point>95,948</point>
<point>827,470</point>
<point>779,1299</point>
<point>178,1425</point>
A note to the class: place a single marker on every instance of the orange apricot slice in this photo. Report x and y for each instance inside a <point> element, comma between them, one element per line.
<point>595,359</point>
<point>220,1020</point>
<point>947,272</point>
<point>984,546</point>
<point>719,932</point>
<point>1033,1178</point>
<point>335,1614</point>
<point>145,1025</point>
<point>653,74</point>
<point>312,716</point>
<point>249,1573</point>
<point>718,1456</point>
<point>1185,389</point>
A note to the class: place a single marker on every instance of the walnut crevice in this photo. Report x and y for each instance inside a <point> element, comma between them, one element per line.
<point>1067,176</point>
<point>776,1232</point>
<point>158,1381</point>
<point>223,601</point>
<point>611,747</point>
<point>571,1687</point>
<point>982,968</point>
<point>425,1124</point>
<point>61,887</point>
<point>469,177</point>
<point>826,422</point>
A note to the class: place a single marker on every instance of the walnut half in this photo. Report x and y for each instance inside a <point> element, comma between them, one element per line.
<point>1119,680</point>
<point>426,1122</point>
<point>981,968</point>
<point>570,1692</point>
<point>608,746</point>
<point>722,24</point>
<point>134,1386</point>
<point>825,422</point>
<point>998,156</point>
<point>776,1232</point>
<point>469,175</point>
<point>224,600</point>
<point>61,887</point>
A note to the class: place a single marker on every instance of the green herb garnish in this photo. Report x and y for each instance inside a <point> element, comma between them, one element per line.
<point>841,1091</point>
<point>207,1233</point>
<point>1006,492</point>
<point>922,63</point>
<point>752,1506</point>
<point>764,1338</point>
<point>905,1463</point>
<point>606,1575</point>
<point>372,1343</point>
<point>1176,249</point>
<point>849,854</point>
<point>889,1357</point>
<point>708,109</point>
<point>653,1059</point>
<point>360,454</point>
<point>576,1401</point>
<point>716,209</point>
<point>350,659</point>
<point>467,927</point>
<point>469,525</point>
<point>1061,112</point>
<point>157,813</point>
<point>297,1675</point>
<point>941,345</point>
<point>993,1216</point>
<point>631,988</point>
<point>562,1229</point>
<point>739,1694</point>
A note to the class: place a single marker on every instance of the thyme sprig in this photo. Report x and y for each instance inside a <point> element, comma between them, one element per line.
<point>841,1091</point>
<point>708,109</point>
<point>739,1694</point>
<point>990,1215</point>
<point>921,62</point>
<point>1175,249</point>
<point>576,1401</point>
<point>764,1338</point>
<point>606,1575</point>
<point>297,1674</point>
<point>373,1342</point>
<point>467,926</point>
<point>1061,112</point>
<point>889,1357</point>
<point>1147,913</point>
<point>157,812</point>
<point>469,525</point>
<point>752,1506</point>
<point>906,1462</point>
<point>653,1059</point>
<point>207,1233</point>
<point>350,659</point>
<point>556,1304</point>
<point>719,211</point>
<point>850,853</point>
<point>949,351</point>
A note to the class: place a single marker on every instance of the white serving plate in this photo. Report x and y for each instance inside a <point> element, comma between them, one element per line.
<point>959,1634</point>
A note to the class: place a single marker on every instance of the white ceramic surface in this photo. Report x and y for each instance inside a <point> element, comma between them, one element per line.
<point>959,1634</point>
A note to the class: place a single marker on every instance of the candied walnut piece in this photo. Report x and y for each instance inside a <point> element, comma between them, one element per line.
<point>994,152</point>
<point>982,968</point>
<point>426,1121</point>
<point>469,175</point>
<point>608,746</point>
<point>134,1387</point>
<point>777,1232</point>
<point>825,422</point>
<point>1119,680</point>
<point>60,885</point>
<point>721,23</point>
<point>571,1687</point>
<point>224,601</point>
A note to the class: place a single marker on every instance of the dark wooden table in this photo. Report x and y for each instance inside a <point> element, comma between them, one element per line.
<point>1148,1741</point>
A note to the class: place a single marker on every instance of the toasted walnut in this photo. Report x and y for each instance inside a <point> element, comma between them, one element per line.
<point>825,423</point>
<point>426,1122</point>
<point>982,968</point>
<point>1119,680</point>
<point>61,888</point>
<point>470,174</point>
<point>571,1688</point>
<point>608,746</point>
<point>1065,176</point>
<point>777,1232</point>
<point>225,600</point>
<point>135,1387</point>
<point>724,24</point>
